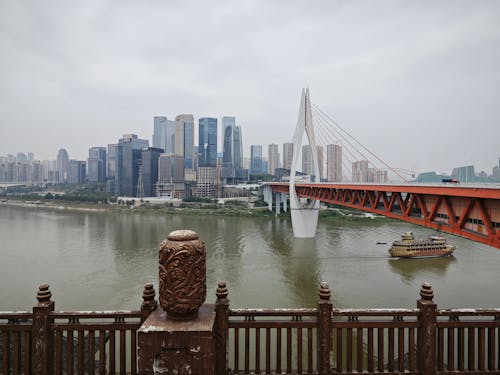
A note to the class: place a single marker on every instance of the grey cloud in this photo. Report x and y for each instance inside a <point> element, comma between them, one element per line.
<point>409,71</point>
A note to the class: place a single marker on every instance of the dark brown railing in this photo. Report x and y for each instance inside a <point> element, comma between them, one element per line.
<point>324,340</point>
<point>15,342</point>
<point>321,340</point>
<point>95,342</point>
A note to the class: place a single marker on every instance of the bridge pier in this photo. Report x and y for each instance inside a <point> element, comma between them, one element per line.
<point>304,217</point>
<point>279,199</point>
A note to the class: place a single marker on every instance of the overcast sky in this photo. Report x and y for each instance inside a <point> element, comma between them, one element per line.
<point>417,82</point>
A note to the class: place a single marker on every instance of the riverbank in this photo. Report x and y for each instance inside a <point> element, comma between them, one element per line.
<point>156,210</point>
<point>329,214</point>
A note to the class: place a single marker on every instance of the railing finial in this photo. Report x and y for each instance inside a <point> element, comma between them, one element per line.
<point>426,292</point>
<point>44,294</point>
<point>148,294</point>
<point>222,291</point>
<point>324,291</point>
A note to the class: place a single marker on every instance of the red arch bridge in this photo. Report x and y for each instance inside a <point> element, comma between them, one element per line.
<point>471,211</point>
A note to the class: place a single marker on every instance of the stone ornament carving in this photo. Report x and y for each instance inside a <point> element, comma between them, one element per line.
<point>182,274</point>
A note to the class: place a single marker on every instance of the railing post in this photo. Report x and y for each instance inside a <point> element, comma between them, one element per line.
<point>324,333</point>
<point>178,338</point>
<point>221,328</point>
<point>426,345</point>
<point>42,336</point>
<point>149,303</point>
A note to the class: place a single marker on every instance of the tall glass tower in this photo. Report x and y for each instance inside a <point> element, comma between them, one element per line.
<point>256,159</point>
<point>184,139</point>
<point>233,149</point>
<point>207,142</point>
<point>62,164</point>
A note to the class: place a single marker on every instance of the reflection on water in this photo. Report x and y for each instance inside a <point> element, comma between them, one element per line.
<point>102,260</point>
<point>410,268</point>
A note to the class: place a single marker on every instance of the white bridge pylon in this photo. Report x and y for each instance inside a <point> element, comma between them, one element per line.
<point>304,213</point>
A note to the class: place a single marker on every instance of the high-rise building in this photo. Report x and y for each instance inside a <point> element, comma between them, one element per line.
<point>159,128</point>
<point>308,163</point>
<point>464,174</point>
<point>96,164</point>
<point>62,164</point>
<point>111,162</point>
<point>287,155</point>
<point>307,160</point>
<point>334,163</point>
<point>164,134</point>
<point>21,157</point>
<point>207,182</point>
<point>232,143</point>
<point>321,161</point>
<point>149,170</point>
<point>379,176</point>
<point>232,159</point>
<point>128,159</point>
<point>207,142</point>
<point>273,157</point>
<point>256,159</point>
<point>76,172</point>
<point>360,171</point>
<point>36,170</point>
<point>184,139</point>
<point>170,176</point>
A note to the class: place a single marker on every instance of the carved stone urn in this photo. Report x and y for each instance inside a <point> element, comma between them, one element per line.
<point>182,275</point>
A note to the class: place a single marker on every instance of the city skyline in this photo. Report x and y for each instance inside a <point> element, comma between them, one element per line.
<point>416,83</point>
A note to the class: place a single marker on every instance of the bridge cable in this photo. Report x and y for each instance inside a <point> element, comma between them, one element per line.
<point>325,126</point>
<point>338,126</point>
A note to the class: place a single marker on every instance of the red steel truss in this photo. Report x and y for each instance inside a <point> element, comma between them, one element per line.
<point>468,211</point>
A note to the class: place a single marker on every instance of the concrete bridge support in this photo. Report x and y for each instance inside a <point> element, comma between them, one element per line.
<point>267,194</point>
<point>304,217</point>
<point>279,199</point>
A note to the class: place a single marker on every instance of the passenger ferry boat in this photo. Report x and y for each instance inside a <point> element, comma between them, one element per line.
<point>409,247</point>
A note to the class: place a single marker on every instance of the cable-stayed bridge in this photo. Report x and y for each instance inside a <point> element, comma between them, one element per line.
<point>471,211</point>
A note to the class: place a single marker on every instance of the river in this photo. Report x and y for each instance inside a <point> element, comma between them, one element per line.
<point>101,261</point>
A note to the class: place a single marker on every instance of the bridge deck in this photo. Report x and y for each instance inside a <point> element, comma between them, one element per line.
<point>467,210</point>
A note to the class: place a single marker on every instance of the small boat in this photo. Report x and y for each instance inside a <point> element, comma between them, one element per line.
<point>409,247</point>
<point>381,243</point>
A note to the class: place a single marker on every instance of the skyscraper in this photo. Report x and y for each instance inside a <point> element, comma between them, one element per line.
<point>76,172</point>
<point>256,159</point>
<point>62,164</point>
<point>232,143</point>
<point>184,139</point>
<point>96,164</point>
<point>273,157</point>
<point>307,160</point>
<point>232,158</point>
<point>360,171</point>
<point>111,163</point>
<point>164,134</point>
<point>149,170</point>
<point>207,142</point>
<point>321,161</point>
<point>128,158</point>
<point>170,176</point>
<point>334,163</point>
<point>287,155</point>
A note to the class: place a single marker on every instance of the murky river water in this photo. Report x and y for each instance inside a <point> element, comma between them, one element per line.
<point>96,260</point>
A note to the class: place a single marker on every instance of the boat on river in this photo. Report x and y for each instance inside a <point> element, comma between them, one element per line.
<point>409,247</point>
